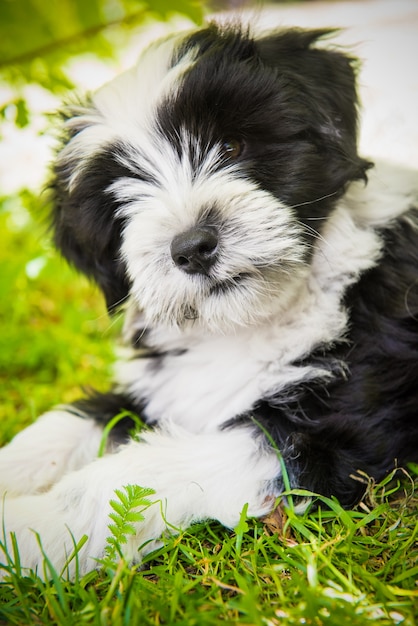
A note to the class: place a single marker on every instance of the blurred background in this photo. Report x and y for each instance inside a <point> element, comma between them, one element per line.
<point>56,336</point>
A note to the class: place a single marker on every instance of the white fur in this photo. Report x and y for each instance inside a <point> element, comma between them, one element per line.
<point>251,220</point>
<point>123,108</point>
<point>391,191</point>
<point>41,454</point>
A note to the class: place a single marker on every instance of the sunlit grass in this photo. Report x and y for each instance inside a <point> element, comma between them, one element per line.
<point>327,567</point>
<point>56,336</point>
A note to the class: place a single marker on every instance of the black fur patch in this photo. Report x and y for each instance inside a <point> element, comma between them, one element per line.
<point>86,230</point>
<point>103,407</point>
<point>292,106</point>
<point>366,419</point>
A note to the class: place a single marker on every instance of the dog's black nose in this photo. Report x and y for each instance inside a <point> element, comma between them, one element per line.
<point>195,251</point>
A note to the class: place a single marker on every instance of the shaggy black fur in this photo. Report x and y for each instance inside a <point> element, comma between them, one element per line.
<point>366,419</point>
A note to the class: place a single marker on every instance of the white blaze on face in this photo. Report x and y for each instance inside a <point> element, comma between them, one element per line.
<point>124,108</point>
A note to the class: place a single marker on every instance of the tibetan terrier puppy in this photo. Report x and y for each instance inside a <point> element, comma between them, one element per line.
<point>269,279</point>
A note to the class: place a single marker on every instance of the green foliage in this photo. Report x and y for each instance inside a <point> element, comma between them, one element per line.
<point>34,29</point>
<point>38,37</point>
<point>37,28</point>
<point>127,510</point>
<point>139,425</point>
<point>56,335</point>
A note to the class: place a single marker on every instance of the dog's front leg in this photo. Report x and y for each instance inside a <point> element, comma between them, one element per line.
<point>194,477</point>
<point>58,442</point>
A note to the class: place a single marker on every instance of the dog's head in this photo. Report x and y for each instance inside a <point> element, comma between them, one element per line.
<point>196,183</point>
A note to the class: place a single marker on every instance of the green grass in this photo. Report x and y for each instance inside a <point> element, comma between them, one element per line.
<point>56,336</point>
<point>326,567</point>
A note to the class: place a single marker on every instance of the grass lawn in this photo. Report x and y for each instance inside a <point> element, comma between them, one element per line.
<point>327,567</point>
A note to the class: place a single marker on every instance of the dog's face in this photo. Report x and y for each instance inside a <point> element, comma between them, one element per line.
<point>197,182</point>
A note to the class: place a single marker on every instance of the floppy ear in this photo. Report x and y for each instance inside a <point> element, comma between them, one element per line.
<point>326,82</point>
<point>86,228</point>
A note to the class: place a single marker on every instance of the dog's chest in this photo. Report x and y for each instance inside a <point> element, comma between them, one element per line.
<point>201,381</point>
<point>215,379</point>
<point>199,387</point>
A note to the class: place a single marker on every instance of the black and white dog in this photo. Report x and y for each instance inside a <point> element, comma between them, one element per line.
<point>271,294</point>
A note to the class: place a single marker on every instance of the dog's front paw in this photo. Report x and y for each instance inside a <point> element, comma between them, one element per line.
<point>192,478</point>
<point>69,534</point>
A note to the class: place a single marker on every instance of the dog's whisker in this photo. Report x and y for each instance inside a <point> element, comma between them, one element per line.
<point>314,201</point>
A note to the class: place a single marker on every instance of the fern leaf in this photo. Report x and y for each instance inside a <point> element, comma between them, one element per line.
<point>127,510</point>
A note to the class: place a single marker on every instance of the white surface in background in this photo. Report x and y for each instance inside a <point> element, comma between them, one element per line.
<point>383,33</point>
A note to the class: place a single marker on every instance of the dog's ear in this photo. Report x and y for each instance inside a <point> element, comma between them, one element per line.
<point>323,81</point>
<point>86,228</point>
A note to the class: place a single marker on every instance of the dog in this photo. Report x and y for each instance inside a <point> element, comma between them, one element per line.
<point>268,276</point>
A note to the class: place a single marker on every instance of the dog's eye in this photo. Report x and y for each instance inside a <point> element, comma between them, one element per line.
<point>232,148</point>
